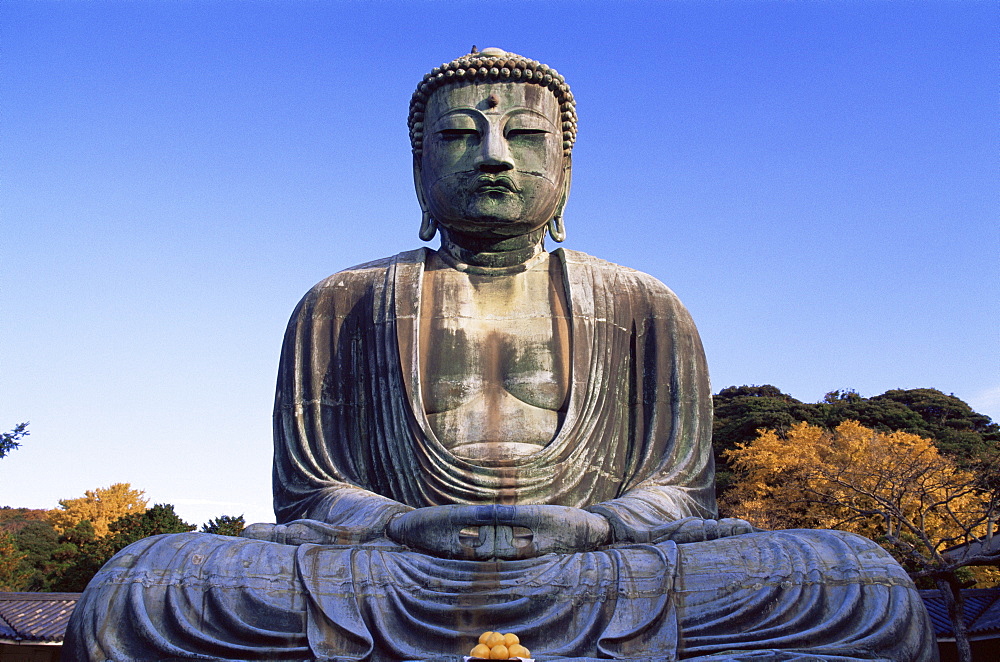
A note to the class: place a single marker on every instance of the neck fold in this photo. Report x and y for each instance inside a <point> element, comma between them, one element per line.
<point>492,256</point>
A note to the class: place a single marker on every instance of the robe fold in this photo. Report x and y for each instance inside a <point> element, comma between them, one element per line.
<point>635,442</point>
<point>353,447</point>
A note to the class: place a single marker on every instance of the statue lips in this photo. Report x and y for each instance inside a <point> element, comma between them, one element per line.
<point>495,185</point>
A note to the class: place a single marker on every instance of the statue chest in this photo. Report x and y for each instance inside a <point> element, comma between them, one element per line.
<point>494,355</point>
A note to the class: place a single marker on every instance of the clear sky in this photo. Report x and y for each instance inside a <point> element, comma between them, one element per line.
<point>818,181</point>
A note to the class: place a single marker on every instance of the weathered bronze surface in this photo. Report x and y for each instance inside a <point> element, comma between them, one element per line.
<point>491,436</point>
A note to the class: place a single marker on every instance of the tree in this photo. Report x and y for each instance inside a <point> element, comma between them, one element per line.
<point>8,440</point>
<point>73,544</point>
<point>958,431</point>
<point>131,528</point>
<point>34,535</point>
<point>101,507</point>
<point>882,415</point>
<point>13,519</point>
<point>159,519</point>
<point>742,410</point>
<point>894,487</point>
<point>225,525</point>
<point>40,542</point>
<point>13,574</point>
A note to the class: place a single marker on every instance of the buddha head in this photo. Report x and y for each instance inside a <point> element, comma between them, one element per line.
<point>492,134</point>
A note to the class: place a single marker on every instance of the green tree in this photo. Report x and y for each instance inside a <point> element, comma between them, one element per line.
<point>225,525</point>
<point>9,440</point>
<point>958,430</point>
<point>13,572</point>
<point>883,415</point>
<point>40,542</point>
<point>34,536</point>
<point>72,545</point>
<point>740,411</point>
<point>93,554</point>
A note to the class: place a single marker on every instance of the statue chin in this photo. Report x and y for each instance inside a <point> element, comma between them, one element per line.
<point>490,226</point>
<point>461,448</point>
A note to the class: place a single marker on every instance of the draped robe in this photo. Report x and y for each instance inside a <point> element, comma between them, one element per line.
<point>636,437</point>
<point>353,447</point>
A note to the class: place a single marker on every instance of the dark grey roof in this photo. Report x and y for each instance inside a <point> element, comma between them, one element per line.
<point>988,548</point>
<point>982,611</point>
<point>35,616</point>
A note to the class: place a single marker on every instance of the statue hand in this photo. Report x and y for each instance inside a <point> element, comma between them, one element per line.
<point>696,529</point>
<point>302,531</point>
<point>499,532</point>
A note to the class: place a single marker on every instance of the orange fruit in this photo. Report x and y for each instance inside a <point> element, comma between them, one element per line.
<point>499,652</point>
<point>510,639</point>
<point>517,650</point>
<point>484,636</point>
<point>495,639</point>
<point>481,650</point>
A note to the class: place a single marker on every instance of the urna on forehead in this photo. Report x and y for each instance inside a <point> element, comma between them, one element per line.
<point>487,66</point>
<point>490,98</point>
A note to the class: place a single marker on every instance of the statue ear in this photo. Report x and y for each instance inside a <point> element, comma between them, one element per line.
<point>557,229</point>
<point>428,226</point>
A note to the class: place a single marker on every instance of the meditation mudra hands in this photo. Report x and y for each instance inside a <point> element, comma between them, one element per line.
<point>519,532</point>
<point>496,532</point>
<point>499,532</point>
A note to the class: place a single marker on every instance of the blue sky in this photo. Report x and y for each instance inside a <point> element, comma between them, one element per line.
<point>818,181</point>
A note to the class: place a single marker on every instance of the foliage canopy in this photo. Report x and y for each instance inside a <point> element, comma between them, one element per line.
<point>131,528</point>
<point>9,440</point>
<point>100,507</point>
<point>13,575</point>
<point>896,488</point>
<point>225,525</point>
<point>968,437</point>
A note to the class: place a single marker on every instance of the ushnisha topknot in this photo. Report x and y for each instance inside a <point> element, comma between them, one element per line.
<point>492,65</point>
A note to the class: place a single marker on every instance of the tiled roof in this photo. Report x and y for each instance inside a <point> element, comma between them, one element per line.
<point>989,548</point>
<point>35,616</point>
<point>982,611</point>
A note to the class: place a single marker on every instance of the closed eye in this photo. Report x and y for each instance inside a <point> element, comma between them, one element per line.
<point>511,133</point>
<point>453,134</point>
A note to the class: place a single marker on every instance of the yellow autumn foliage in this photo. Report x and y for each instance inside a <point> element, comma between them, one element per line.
<point>886,486</point>
<point>101,506</point>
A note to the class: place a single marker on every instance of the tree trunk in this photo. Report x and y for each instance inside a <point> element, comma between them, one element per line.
<point>951,590</point>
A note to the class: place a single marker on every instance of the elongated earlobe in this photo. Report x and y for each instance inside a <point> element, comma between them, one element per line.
<point>428,226</point>
<point>556,228</point>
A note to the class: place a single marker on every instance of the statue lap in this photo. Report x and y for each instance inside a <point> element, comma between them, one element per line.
<point>787,595</point>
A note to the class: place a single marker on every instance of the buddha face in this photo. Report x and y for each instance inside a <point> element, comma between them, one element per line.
<point>493,162</point>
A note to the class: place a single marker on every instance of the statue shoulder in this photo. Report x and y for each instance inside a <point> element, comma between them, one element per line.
<point>368,272</point>
<point>626,279</point>
<point>342,290</point>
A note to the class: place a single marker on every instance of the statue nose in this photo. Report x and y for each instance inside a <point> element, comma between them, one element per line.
<point>495,168</point>
<point>494,155</point>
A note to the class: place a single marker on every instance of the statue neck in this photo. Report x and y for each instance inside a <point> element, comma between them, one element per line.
<point>492,255</point>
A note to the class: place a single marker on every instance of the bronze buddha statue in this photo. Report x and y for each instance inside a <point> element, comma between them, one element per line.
<point>490,436</point>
